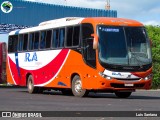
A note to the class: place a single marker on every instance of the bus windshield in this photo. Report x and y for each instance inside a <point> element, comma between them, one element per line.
<point>127,46</point>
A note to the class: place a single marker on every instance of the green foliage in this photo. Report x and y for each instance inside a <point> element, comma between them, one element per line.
<point>154,35</point>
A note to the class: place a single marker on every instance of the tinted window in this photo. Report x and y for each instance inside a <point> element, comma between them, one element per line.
<point>61,37</point>
<point>73,36</point>
<point>43,40</point>
<point>87,30</point>
<point>25,43</point>
<point>76,35</point>
<point>58,38</point>
<point>55,38</point>
<point>36,40</point>
<point>20,42</point>
<point>48,38</point>
<point>69,36</point>
<point>31,41</point>
<point>89,54</point>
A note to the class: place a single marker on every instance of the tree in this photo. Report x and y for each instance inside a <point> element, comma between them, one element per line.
<point>154,35</point>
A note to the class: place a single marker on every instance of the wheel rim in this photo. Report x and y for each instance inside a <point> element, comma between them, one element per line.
<point>78,86</point>
<point>30,85</point>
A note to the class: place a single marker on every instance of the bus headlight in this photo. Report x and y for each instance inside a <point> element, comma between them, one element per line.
<point>105,76</point>
<point>148,77</point>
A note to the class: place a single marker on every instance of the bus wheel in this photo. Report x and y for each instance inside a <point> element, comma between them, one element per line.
<point>77,87</point>
<point>123,94</point>
<point>30,85</point>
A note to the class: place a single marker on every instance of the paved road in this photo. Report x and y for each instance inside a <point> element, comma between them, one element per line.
<point>17,99</point>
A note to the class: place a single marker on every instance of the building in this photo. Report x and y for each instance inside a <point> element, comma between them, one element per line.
<point>32,13</point>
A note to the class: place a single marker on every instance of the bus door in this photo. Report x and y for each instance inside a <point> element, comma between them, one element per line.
<point>89,54</point>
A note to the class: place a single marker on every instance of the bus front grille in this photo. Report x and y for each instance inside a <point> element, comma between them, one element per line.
<point>134,79</point>
<point>115,85</point>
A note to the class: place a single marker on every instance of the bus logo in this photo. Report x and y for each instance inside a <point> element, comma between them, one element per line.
<point>30,57</point>
<point>6,7</point>
<point>116,74</point>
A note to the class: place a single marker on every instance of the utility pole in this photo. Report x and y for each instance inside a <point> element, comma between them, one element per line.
<point>107,6</point>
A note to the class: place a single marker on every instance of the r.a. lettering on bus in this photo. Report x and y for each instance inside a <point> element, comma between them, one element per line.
<point>29,57</point>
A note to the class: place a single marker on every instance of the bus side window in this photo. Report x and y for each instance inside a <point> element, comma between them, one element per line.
<point>55,38</point>
<point>25,42</point>
<point>87,30</point>
<point>61,37</point>
<point>48,38</point>
<point>13,43</point>
<point>76,35</point>
<point>31,40</point>
<point>43,40</point>
<point>69,36</point>
<point>20,42</point>
<point>36,40</point>
<point>73,36</point>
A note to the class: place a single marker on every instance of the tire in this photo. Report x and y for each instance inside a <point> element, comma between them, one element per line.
<point>77,87</point>
<point>30,85</point>
<point>123,94</point>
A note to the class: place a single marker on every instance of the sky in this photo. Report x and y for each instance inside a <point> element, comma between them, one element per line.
<point>145,11</point>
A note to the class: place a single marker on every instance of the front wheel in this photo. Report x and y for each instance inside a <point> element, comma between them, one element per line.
<point>123,94</point>
<point>77,87</point>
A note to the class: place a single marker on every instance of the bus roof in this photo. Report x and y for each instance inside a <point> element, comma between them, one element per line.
<point>77,20</point>
<point>112,21</point>
<point>50,24</point>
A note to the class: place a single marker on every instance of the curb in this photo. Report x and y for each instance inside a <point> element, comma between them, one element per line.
<point>150,90</point>
<point>9,86</point>
<point>15,86</point>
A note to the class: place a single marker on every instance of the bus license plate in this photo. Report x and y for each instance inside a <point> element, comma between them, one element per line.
<point>129,85</point>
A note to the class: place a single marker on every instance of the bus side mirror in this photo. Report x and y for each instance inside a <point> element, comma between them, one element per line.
<point>95,41</point>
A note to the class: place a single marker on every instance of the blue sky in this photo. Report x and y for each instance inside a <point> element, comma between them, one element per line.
<point>145,11</point>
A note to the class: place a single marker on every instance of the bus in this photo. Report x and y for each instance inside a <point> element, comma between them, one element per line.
<point>3,53</point>
<point>81,55</point>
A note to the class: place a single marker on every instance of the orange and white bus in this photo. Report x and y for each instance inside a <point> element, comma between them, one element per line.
<point>79,55</point>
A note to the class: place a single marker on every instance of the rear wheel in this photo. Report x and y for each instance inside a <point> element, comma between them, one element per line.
<point>77,87</point>
<point>123,94</point>
<point>30,85</point>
